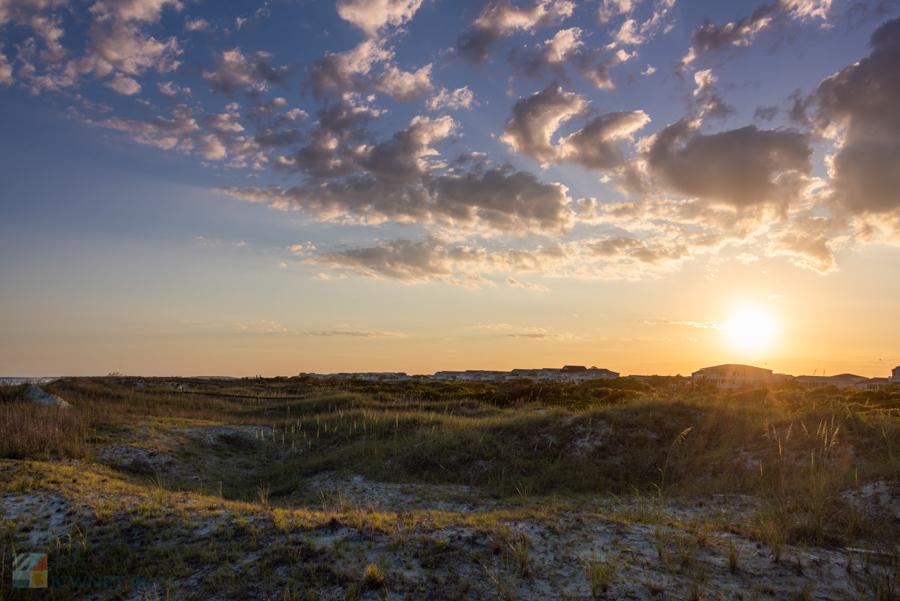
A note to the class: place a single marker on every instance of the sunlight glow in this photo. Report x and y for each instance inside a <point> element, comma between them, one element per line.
<point>750,329</point>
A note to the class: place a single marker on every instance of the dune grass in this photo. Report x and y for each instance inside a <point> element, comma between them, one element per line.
<point>30,430</point>
<point>796,449</point>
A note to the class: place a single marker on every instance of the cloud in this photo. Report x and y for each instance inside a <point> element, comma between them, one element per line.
<point>197,24</point>
<point>595,68</point>
<point>628,34</point>
<point>633,32</point>
<point>435,260</point>
<point>460,98</point>
<point>116,43</point>
<point>211,147</point>
<point>21,10</point>
<point>431,260</point>
<point>160,132</point>
<point>339,140</point>
<point>400,259</point>
<point>741,168</point>
<point>124,85</point>
<point>710,38</point>
<point>502,199</point>
<point>236,71</point>
<point>499,199</point>
<point>407,154</point>
<point>6,73</point>
<point>507,330</point>
<point>270,327</point>
<point>120,45</point>
<point>810,242</point>
<point>561,45</point>
<point>698,325</point>
<point>229,121</point>
<point>171,89</point>
<point>500,18</point>
<point>707,99</point>
<point>598,144</point>
<point>374,15</point>
<point>346,333</point>
<point>132,10</point>
<point>276,124</point>
<point>535,119</point>
<point>857,108</point>
<point>765,113</point>
<point>551,55</point>
<point>183,132</point>
<point>567,47</point>
<point>613,8</point>
<point>405,85</point>
<point>515,283</point>
<point>342,72</point>
<point>807,9</point>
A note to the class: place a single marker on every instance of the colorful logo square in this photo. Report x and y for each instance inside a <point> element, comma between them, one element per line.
<point>30,570</point>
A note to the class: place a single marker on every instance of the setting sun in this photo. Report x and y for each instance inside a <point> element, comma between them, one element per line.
<point>750,329</point>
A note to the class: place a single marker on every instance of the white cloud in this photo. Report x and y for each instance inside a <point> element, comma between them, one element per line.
<point>197,24</point>
<point>460,98</point>
<point>535,119</point>
<point>374,15</point>
<point>124,85</point>
<point>613,8</point>
<point>405,85</point>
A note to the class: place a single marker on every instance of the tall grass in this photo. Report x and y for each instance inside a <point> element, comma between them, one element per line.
<point>29,430</point>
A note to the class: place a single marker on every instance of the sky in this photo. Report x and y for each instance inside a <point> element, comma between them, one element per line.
<point>652,186</point>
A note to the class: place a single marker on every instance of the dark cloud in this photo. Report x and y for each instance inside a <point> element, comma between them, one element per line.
<point>741,168</point>
<point>405,156</point>
<point>710,38</point>
<point>598,145</point>
<point>498,199</point>
<point>765,113</point>
<point>503,199</point>
<point>859,106</point>
<point>338,141</point>
<point>342,72</point>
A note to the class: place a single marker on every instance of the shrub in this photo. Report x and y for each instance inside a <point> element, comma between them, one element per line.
<point>600,574</point>
<point>373,576</point>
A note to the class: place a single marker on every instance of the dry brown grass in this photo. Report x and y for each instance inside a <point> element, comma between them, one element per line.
<point>29,430</point>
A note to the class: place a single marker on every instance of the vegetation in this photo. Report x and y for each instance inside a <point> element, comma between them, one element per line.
<point>153,452</point>
<point>29,430</point>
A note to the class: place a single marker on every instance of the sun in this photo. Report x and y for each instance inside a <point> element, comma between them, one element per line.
<point>750,329</point>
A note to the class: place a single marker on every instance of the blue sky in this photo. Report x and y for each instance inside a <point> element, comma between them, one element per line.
<point>252,187</point>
